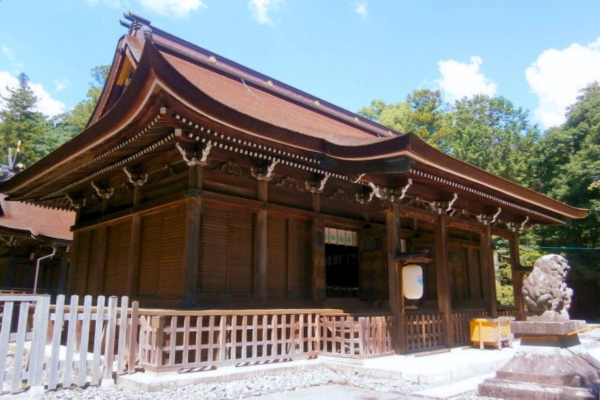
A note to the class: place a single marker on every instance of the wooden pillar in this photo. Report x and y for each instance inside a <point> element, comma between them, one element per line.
<point>260,244</point>
<point>73,267</point>
<point>444,294</point>
<point>64,270</point>
<point>134,256</point>
<point>100,262</point>
<point>192,237</point>
<point>318,252</point>
<point>487,268</point>
<point>396,299</point>
<point>135,242</point>
<point>517,277</point>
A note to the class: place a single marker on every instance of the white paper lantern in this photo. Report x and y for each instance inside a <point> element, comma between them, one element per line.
<point>412,282</point>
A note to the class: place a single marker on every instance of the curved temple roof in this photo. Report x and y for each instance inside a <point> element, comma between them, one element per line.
<point>153,71</point>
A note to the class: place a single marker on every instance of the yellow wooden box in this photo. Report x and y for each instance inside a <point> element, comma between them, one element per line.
<point>491,332</point>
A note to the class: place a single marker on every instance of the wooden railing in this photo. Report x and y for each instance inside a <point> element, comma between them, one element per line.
<point>424,331</point>
<point>356,336</point>
<point>461,321</point>
<point>202,339</point>
<point>196,340</point>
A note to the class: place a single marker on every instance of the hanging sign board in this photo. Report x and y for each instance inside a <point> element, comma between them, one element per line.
<point>333,236</point>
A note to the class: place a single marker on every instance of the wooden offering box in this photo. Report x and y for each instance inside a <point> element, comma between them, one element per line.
<point>491,332</point>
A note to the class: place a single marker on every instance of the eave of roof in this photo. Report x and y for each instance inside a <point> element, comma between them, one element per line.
<point>156,72</point>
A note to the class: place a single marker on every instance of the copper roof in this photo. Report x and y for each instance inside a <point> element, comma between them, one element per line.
<point>36,220</point>
<point>171,71</point>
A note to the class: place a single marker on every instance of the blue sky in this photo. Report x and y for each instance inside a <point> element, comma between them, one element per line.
<point>537,54</point>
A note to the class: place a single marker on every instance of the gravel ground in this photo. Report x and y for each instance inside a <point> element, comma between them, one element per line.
<point>251,388</point>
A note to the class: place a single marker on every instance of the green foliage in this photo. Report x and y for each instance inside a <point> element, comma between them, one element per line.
<point>423,113</point>
<point>20,122</point>
<point>38,135</point>
<point>569,161</point>
<point>81,113</point>
<point>490,133</point>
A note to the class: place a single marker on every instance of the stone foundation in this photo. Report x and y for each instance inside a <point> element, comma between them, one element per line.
<point>550,364</point>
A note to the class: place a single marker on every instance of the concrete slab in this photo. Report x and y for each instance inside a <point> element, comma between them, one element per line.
<point>432,369</point>
<point>331,392</point>
<point>452,389</point>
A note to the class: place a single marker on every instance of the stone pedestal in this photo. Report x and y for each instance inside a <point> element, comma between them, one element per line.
<point>550,364</point>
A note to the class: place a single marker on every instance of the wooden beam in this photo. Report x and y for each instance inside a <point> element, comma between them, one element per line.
<point>517,277</point>
<point>134,256</point>
<point>487,269</point>
<point>260,244</point>
<point>442,268</point>
<point>396,298</point>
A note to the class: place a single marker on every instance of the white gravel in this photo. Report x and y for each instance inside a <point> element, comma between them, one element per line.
<point>252,387</point>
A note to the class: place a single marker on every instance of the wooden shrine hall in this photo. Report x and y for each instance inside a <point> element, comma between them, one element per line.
<point>202,184</point>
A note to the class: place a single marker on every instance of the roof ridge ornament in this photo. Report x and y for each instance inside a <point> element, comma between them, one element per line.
<point>139,25</point>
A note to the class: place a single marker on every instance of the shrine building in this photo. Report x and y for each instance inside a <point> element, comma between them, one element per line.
<point>201,184</point>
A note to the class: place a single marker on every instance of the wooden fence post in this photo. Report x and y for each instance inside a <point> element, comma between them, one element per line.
<point>36,359</point>
<point>133,337</point>
<point>122,322</point>
<point>56,336</point>
<point>109,342</point>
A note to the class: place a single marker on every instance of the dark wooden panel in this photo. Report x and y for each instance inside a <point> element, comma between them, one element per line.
<point>149,255</point>
<point>240,253</point>
<point>94,253</point>
<point>117,259</point>
<point>277,257</point>
<point>300,259</point>
<point>83,256</point>
<point>213,254</point>
<point>172,248</point>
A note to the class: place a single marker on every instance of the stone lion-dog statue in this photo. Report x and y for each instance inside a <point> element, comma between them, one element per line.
<point>545,290</point>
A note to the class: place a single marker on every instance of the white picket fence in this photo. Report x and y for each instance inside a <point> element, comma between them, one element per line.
<point>64,344</point>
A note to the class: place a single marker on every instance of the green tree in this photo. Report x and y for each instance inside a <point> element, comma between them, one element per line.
<point>492,134</point>
<point>19,121</point>
<point>81,113</point>
<point>422,113</point>
<point>569,158</point>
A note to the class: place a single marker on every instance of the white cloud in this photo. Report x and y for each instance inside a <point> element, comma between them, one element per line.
<point>260,8</point>
<point>557,76</point>
<point>61,84</point>
<point>361,8</point>
<point>8,53</point>
<point>177,8</point>
<point>46,104</point>
<point>464,80</point>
